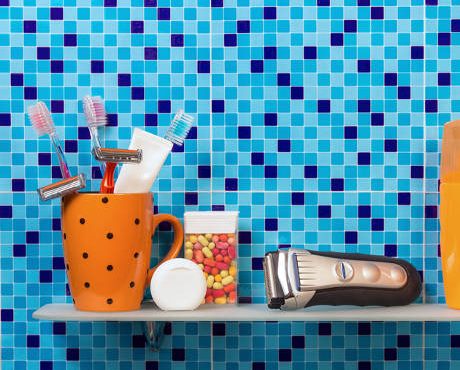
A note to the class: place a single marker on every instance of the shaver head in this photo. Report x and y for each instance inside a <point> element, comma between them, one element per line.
<point>62,188</point>
<point>118,155</point>
<point>284,282</point>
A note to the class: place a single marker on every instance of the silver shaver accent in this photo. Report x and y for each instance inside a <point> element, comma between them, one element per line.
<point>294,276</point>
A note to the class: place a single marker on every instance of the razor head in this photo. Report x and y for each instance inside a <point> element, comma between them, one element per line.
<point>62,188</point>
<point>118,155</point>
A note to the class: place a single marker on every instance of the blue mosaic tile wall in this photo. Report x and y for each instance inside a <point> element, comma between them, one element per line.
<point>320,121</point>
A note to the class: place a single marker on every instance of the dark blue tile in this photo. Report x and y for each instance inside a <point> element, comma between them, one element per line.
<point>270,52</point>
<point>243,26</point>
<point>390,354</point>
<point>178,354</point>
<point>191,198</point>
<point>310,172</point>
<point>164,106</point>
<point>56,13</point>
<point>270,12</point>
<point>271,172</point>
<point>350,26</point>
<point>137,93</point>
<point>245,237</point>
<point>43,53</point>
<point>391,79</point>
<point>324,211</point>
<point>298,341</point>
<point>377,12</point>
<point>138,341</point>
<point>324,106</point>
<point>377,224</point>
<point>230,40</point>
<point>203,66</point>
<point>404,198</point>
<point>364,159</point>
<point>336,39</point>
<point>97,66</point>
<point>324,328</point>
<point>310,52</point>
<point>270,119</point>
<point>444,79</point>
<point>151,119</point>
<point>177,40</point>
<point>218,329</point>
<point>431,211</point>
<point>404,92</point>
<point>59,328</point>
<point>337,184</point>
<point>57,66</point>
<point>218,106</point>
<point>350,132</point>
<point>17,79</point>
<point>17,184</point>
<point>124,79</point>
<point>284,146</point>
<point>297,92</point>
<point>257,158</point>
<point>391,145</point>
<point>377,119</point>
<point>257,66</point>
<point>73,354</point>
<point>351,237</point>
<point>7,314</point>
<point>391,250</point>
<point>284,79</point>
<point>150,53</point>
<point>271,224</point>
<point>244,132</point>
<point>32,237</point>
<point>431,106</point>
<point>33,341</point>
<point>70,40</point>
<point>364,66</point>
<point>110,3</point>
<point>164,14</point>
<point>19,250</point>
<point>284,355</point>
<point>403,341</point>
<point>297,199</point>
<point>364,211</point>
<point>257,263</point>
<point>204,172</point>
<point>6,211</point>
<point>30,26</point>
<point>417,52</point>
<point>231,184</point>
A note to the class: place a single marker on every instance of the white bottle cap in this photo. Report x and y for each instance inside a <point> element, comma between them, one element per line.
<point>177,285</point>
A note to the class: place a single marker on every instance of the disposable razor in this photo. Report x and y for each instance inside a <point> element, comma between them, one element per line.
<point>117,155</point>
<point>63,187</point>
<point>297,278</point>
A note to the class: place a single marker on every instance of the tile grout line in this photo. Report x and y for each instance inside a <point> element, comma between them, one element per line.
<point>211,324</point>
<point>424,8</point>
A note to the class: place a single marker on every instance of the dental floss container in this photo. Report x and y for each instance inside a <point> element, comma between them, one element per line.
<point>178,285</point>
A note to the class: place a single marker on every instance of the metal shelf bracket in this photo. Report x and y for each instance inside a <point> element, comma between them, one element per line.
<point>154,334</point>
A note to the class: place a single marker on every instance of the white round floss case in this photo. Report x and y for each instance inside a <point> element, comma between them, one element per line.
<point>178,285</point>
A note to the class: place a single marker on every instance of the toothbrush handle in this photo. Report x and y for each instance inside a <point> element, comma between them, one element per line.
<point>96,145</point>
<point>61,157</point>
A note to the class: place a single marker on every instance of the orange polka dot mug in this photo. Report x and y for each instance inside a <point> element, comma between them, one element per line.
<point>107,248</point>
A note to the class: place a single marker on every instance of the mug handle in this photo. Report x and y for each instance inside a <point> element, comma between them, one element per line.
<point>176,245</point>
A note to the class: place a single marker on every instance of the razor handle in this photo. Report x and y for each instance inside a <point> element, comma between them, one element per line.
<point>402,284</point>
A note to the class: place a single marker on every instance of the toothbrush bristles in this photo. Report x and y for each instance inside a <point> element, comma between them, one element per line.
<point>40,118</point>
<point>94,109</point>
<point>179,128</point>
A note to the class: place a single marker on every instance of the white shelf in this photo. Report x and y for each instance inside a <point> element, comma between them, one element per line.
<point>255,312</point>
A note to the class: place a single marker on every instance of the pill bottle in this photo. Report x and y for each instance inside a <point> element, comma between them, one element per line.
<point>211,242</point>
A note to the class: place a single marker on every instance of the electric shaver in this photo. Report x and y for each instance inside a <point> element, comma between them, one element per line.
<point>298,278</point>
